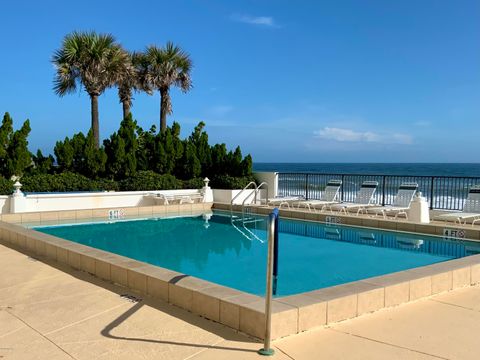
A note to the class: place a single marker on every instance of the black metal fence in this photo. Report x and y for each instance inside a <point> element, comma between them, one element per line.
<point>442,192</point>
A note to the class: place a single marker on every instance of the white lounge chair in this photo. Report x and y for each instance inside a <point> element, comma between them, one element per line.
<point>363,199</point>
<point>401,204</point>
<point>329,196</point>
<point>284,200</point>
<point>471,209</point>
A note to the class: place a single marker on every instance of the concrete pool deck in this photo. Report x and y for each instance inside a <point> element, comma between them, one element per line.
<point>50,311</point>
<point>238,310</point>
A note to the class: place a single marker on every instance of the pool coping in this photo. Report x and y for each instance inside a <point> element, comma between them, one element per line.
<point>435,228</point>
<point>236,309</point>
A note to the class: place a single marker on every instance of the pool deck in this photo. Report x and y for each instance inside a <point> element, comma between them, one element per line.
<point>50,311</point>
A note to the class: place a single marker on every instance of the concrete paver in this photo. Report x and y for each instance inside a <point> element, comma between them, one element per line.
<point>426,326</point>
<point>52,312</point>
<point>22,342</point>
<point>468,298</point>
<point>331,345</point>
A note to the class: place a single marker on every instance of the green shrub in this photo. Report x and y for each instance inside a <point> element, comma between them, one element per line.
<point>105,185</point>
<point>195,183</point>
<point>65,182</point>
<point>6,186</point>
<point>230,182</point>
<point>149,180</point>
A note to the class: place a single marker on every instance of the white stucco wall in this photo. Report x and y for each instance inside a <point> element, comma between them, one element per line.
<point>271,178</point>
<point>226,196</point>
<point>4,204</point>
<point>87,200</point>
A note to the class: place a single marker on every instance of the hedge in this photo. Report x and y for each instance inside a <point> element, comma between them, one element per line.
<point>64,182</point>
<point>149,180</point>
<point>142,180</point>
<point>230,182</point>
<point>6,186</point>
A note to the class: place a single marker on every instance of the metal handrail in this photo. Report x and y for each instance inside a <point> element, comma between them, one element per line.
<point>272,229</point>
<point>234,198</point>
<point>264,183</point>
<point>257,189</point>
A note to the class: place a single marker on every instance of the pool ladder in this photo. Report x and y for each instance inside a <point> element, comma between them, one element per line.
<point>247,216</point>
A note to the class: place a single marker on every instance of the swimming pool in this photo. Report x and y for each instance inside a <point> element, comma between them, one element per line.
<point>311,255</point>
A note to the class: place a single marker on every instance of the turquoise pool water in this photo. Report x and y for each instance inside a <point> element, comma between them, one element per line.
<point>311,255</point>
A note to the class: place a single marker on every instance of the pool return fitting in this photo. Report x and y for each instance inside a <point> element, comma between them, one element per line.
<point>272,273</point>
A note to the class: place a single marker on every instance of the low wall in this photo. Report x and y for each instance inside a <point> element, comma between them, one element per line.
<point>4,204</point>
<point>87,200</point>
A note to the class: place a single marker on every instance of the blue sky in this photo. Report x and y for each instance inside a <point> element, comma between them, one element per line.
<point>303,81</point>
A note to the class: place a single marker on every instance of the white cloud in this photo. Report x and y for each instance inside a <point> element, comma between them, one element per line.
<point>267,21</point>
<point>349,135</point>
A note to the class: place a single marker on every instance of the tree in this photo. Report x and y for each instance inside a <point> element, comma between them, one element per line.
<point>14,155</point>
<point>6,133</point>
<point>199,138</point>
<point>18,156</point>
<point>42,164</point>
<point>146,148</point>
<point>94,159</point>
<point>94,61</point>
<point>163,68</point>
<point>81,155</point>
<point>63,151</point>
<point>131,79</point>
<point>121,149</point>
<point>191,167</point>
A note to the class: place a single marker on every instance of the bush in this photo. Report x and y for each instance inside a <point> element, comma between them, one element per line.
<point>6,186</point>
<point>195,183</point>
<point>65,182</point>
<point>230,182</point>
<point>149,180</point>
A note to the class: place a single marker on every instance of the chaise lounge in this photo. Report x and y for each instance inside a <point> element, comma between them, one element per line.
<point>401,204</point>
<point>471,209</point>
<point>363,199</point>
<point>329,197</point>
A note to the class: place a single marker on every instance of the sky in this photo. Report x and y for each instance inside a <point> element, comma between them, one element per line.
<point>288,81</point>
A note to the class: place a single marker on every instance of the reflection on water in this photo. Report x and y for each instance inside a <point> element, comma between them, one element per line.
<point>311,255</point>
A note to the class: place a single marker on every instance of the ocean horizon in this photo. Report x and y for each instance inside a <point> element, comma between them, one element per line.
<point>407,169</point>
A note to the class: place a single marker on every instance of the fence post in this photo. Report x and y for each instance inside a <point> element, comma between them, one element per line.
<point>431,192</point>
<point>306,186</point>
<point>341,188</point>
<point>383,190</point>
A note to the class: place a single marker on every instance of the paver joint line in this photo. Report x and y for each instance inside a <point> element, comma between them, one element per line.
<point>283,352</point>
<point>389,344</point>
<point>86,319</point>
<point>43,336</point>
<point>459,306</point>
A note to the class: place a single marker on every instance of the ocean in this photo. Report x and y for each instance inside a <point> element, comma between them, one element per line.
<point>409,169</point>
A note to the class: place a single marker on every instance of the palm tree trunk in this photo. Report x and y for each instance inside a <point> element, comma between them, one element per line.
<point>163,109</point>
<point>126,109</point>
<point>95,130</point>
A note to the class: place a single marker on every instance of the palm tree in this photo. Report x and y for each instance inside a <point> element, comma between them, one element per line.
<point>91,60</point>
<point>164,67</point>
<point>131,78</point>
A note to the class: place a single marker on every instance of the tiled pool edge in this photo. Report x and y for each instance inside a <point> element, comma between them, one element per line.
<point>233,308</point>
<point>471,233</point>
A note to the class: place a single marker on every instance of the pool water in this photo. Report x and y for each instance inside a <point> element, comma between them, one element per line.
<point>311,255</point>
